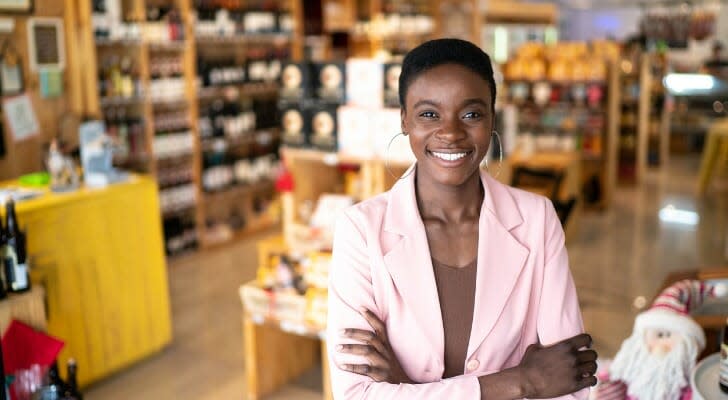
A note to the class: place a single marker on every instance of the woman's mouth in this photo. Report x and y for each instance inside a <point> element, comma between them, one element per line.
<point>450,158</point>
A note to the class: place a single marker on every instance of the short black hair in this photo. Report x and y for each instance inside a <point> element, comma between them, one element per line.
<point>437,52</point>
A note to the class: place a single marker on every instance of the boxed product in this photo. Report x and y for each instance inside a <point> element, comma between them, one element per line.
<point>296,82</point>
<point>364,82</point>
<point>294,124</point>
<point>323,127</point>
<point>387,123</point>
<point>391,84</point>
<point>330,82</point>
<point>355,137</point>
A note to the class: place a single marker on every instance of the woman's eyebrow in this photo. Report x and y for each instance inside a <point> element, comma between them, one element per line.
<point>474,101</point>
<point>426,103</point>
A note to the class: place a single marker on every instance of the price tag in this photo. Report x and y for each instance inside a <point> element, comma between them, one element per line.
<point>331,159</point>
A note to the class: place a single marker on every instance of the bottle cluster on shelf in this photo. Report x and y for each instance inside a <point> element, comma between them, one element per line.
<point>166,66</point>
<point>262,64</point>
<point>174,176</point>
<point>173,145</point>
<point>167,89</point>
<point>128,131</point>
<point>160,24</point>
<point>171,121</point>
<point>119,77</point>
<point>222,172</point>
<point>180,234</point>
<point>221,19</point>
<point>177,198</point>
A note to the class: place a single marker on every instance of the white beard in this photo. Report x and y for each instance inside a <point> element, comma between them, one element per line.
<point>650,377</point>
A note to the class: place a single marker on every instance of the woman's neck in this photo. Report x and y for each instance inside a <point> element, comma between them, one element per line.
<point>449,204</point>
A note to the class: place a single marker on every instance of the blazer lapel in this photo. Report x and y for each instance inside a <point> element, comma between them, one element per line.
<point>500,259</point>
<point>409,262</point>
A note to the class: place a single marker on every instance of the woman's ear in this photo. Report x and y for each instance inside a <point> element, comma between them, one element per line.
<point>403,119</point>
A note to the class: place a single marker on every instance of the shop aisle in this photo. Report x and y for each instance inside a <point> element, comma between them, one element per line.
<point>615,257</point>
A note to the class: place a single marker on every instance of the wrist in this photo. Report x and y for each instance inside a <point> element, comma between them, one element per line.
<point>509,384</point>
<point>524,384</point>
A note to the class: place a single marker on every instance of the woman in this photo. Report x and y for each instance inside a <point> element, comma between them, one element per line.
<point>452,285</point>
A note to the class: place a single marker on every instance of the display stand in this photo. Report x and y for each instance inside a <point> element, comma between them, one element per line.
<point>143,52</point>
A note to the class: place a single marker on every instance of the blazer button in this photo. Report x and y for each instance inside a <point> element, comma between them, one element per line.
<point>472,365</point>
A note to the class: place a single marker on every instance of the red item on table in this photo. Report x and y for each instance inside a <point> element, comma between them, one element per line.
<point>23,346</point>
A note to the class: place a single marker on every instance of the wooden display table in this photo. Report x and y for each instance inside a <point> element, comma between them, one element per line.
<point>98,254</point>
<point>28,308</point>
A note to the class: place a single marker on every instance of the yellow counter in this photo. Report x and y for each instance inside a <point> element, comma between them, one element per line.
<point>99,255</point>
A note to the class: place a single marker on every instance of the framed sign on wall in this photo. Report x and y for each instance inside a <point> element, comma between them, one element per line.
<point>16,6</point>
<point>45,43</point>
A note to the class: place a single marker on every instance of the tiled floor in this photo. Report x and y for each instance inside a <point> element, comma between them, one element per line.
<point>615,257</point>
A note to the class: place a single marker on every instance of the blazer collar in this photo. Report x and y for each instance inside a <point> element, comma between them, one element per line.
<point>500,260</point>
<point>402,205</point>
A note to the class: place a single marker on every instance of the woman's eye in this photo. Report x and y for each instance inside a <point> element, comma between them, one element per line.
<point>428,114</point>
<point>473,115</point>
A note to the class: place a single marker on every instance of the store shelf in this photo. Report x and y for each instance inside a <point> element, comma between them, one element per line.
<point>167,46</point>
<point>117,42</point>
<point>240,189</point>
<point>246,38</point>
<point>209,144</point>
<point>335,158</point>
<point>246,89</point>
<point>292,327</point>
<point>259,224</point>
<point>115,101</point>
<point>178,211</point>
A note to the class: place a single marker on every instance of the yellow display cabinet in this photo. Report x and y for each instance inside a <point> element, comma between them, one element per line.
<point>99,255</point>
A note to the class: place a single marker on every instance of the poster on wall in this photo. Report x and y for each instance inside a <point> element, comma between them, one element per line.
<point>20,117</point>
<point>16,6</point>
<point>45,44</point>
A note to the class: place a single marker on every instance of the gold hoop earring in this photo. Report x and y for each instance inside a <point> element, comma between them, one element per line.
<point>386,158</point>
<point>500,154</point>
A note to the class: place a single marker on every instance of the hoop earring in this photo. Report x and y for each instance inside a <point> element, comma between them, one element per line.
<point>386,159</point>
<point>500,155</point>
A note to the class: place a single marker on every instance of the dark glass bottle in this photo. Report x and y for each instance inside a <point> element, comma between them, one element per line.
<point>15,257</point>
<point>72,391</point>
<point>723,374</point>
<point>3,278</point>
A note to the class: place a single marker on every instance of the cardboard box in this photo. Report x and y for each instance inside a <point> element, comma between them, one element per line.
<point>330,82</point>
<point>323,127</point>
<point>390,80</point>
<point>295,124</point>
<point>355,136</point>
<point>296,82</point>
<point>364,83</point>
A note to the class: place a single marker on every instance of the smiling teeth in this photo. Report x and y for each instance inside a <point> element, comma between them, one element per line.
<point>449,157</point>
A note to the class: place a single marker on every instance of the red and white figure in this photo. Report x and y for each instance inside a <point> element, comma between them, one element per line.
<point>655,362</point>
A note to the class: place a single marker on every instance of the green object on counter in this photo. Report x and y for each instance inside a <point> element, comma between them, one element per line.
<point>35,179</point>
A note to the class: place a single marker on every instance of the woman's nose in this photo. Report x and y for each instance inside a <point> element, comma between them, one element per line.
<point>451,131</point>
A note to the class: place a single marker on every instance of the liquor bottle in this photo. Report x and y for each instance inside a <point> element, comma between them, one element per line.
<point>723,374</point>
<point>72,391</point>
<point>3,278</point>
<point>16,269</point>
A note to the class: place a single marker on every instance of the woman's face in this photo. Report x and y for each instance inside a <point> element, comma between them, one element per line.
<point>449,120</point>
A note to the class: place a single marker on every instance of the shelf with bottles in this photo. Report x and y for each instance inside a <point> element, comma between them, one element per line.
<point>180,233</point>
<point>177,199</point>
<point>222,19</point>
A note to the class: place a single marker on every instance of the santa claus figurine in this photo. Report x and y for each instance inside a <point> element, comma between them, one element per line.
<point>656,361</point>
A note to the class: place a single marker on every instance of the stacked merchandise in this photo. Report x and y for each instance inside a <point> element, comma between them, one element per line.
<point>349,107</point>
<point>561,93</point>
<point>231,18</point>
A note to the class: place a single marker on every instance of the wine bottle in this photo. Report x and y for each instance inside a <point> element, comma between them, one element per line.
<point>3,278</point>
<point>16,268</point>
<point>723,370</point>
<point>72,391</point>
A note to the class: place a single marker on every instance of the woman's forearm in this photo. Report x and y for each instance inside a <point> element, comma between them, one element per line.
<point>508,384</point>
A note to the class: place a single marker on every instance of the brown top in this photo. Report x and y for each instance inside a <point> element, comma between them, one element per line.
<point>456,289</point>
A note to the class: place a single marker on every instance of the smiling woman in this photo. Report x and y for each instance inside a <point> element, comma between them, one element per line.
<point>452,285</point>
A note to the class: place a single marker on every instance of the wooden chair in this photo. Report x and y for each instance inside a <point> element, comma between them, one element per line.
<point>546,182</point>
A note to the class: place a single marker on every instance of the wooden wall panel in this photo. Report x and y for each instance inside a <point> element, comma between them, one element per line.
<point>27,156</point>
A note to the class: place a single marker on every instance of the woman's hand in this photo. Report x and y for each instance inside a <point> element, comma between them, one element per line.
<point>559,369</point>
<point>383,366</point>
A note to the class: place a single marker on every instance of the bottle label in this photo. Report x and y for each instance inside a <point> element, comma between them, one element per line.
<point>21,277</point>
<point>724,364</point>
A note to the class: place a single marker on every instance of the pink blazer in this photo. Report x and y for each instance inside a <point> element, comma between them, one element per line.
<point>381,261</point>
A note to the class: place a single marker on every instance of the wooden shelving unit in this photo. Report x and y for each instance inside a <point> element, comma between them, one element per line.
<point>145,102</point>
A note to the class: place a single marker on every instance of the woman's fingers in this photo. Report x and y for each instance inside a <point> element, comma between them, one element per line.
<point>586,356</point>
<point>362,369</point>
<point>367,337</point>
<point>376,359</point>
<point>374,322</point>
<point>586,369</point>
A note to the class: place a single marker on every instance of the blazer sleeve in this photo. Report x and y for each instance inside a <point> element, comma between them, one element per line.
<point>350,289</point>
<point>559,316</point>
